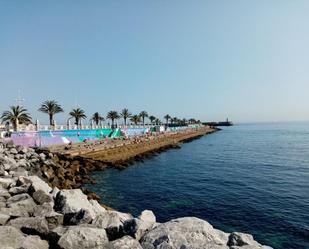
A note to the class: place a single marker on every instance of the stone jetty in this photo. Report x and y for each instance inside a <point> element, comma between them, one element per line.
<point>42,206</point>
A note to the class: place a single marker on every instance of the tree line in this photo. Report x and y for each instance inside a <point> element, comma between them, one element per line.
<point>19,115</point>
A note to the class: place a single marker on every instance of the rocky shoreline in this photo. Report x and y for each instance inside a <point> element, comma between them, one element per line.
<point>41,206</point>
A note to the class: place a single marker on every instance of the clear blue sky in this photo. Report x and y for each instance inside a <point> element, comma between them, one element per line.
<point>246,60</point>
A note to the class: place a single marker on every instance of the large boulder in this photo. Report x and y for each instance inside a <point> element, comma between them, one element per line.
<point>187,232</point>
<point>97,208</point>
<point>32,225</point>
<point>10,237</point>
<point>4,218</point>
<point>137,228</point>
<point>125,242</point>
<point>43,210</point>
<point>34,242</point>
<point>244,241</point>
<point>42,197</point>
<point>4,193</point>
<point>113,223</point>
<point>54,220</point>
<point>19,189</point>
<point>17,198</point>
<point>5,182</point>
<point>83,238</point>
<point>38,184</point>
<point>8,162</point>
<point>148,216</point>
<point>71,201</point>
<point>19,206</point>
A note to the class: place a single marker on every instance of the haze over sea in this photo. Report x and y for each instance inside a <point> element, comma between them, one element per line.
<point>252,178</point>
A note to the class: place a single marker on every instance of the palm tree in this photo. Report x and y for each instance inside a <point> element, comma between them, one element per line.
<point>16,115</point>
<point>143,115</point>
<point>157,121</point>
<point>97,118</point>
<point>152,118</point>
<point>192,121</point>
<point>136,119</point>
<point>112,115</point>
<point>167,117</point>
<point>125,114</point>
<point>51,107</point>
<point>174,120</point>
<point>78,114</point>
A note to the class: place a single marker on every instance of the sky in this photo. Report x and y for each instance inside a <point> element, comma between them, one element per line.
<point>247,60</point>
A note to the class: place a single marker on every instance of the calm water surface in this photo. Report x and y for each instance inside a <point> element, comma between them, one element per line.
<point>249,178</point>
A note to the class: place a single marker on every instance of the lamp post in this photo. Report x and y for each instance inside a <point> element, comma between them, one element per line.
<point>69,123</point>
<point>37,125</point>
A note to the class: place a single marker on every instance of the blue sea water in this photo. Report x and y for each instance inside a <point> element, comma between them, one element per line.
<point>250,178</point>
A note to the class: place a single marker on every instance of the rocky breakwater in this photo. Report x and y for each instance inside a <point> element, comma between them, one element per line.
<point>35,215</point>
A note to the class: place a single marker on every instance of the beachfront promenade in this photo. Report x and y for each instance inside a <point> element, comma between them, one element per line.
<point>48,138</point>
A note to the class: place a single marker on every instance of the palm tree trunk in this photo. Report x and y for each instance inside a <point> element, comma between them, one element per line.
<point>51,119</point>
<point>125,122</point>
<point>15,125</point>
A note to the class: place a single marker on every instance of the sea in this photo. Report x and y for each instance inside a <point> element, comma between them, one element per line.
<point>251,178</point>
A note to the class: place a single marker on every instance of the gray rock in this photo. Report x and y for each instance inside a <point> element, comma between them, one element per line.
<point>37,225</point>
<point>14,211</point>
<point>113,223</point>
<point>6,167</point>
<point>13,151</point>
<point>38,184</point>
<point>42,156</point>
<point>81,217</point>
<point>19,172</point>
<point>54,192</point>
<point>24,150</point>
<point>34,242</point>
<point>41,197</point>
<point>10,237</point>
<point>5,182</point>
<point>17,198</point>
<point>125,242</point>
<point>8,162</point>
<point>55,234</point>
<point>31,150</point>
<point>43,210</point>
<point>4,218</point>
<point>17,157</point>
<point>187,232</point>
<point>137,228</point>
<point>19,206</point>
<point>84,238</point>
<point>2,171</point>
<point>19,190</point>
<point>4,193</point>
<point>2,205</point>
<point>243,240</point>
<point>22,163</point>
<point>148,216</point>
<point>70,201</point>
<point>97,208</point>
<point>54,220</point>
